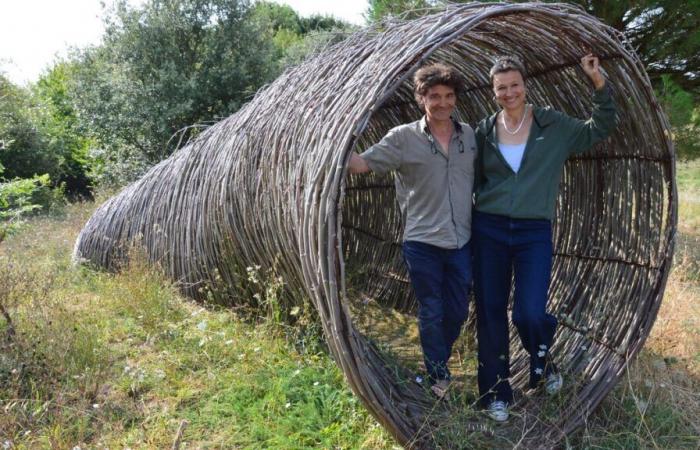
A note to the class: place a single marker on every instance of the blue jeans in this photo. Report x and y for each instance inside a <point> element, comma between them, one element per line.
<point>510,250</point>
<point>441,280</point>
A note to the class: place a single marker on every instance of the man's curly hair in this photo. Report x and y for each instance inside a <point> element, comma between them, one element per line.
<point>433,75</point>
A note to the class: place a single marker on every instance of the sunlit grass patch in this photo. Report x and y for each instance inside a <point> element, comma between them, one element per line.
<point>688,180</point>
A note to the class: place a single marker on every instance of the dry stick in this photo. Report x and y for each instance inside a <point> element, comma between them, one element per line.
<point>8,319</point>
<point>178,435</point>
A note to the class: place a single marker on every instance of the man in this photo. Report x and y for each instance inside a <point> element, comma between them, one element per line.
<point>433,161</point>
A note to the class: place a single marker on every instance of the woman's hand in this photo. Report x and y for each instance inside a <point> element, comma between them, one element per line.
<point>592,69</point>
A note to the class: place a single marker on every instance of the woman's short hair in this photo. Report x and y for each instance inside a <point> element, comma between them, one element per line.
<point>433,75</point>
<point>507,64</point>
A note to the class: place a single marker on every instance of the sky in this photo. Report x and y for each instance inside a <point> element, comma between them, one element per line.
<point>34,32</point>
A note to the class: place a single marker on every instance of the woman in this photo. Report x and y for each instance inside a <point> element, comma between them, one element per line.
<point>521,154</point>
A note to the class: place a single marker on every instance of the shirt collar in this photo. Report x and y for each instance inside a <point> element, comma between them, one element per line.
<point>425,129</point>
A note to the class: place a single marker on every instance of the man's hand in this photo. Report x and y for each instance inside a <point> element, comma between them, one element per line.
<point>357,164</point>
<point>590,65</point>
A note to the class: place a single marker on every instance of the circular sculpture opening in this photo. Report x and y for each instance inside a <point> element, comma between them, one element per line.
<point>269,187</point>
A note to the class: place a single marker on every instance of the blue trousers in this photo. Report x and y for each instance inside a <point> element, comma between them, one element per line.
<point>511,251</point>
<point>441,280</point>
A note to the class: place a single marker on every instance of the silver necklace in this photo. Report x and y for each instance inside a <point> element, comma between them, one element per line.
<point>522,121</point>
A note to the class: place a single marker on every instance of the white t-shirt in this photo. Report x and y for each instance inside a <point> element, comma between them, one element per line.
<point>513,154</point>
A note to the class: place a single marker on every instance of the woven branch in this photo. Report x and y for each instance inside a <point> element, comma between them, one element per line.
<point>268,186</point>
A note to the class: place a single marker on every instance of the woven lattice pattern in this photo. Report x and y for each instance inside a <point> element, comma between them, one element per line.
<point>268,187</point>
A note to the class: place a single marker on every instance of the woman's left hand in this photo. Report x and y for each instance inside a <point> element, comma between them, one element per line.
<point>590,65</point>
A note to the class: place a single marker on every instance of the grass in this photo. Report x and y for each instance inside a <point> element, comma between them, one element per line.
<point>99,360</point>
<point>102,360</point>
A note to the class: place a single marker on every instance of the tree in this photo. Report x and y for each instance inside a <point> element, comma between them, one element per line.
<point>55,118</point>
<point>295,37</point>
<point>664,33</point>
<point>408,9</point>
<point>684,116</point>
<point>23,154</point>
<point>167,65</point>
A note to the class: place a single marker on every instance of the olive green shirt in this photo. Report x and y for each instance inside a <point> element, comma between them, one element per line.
<point>531,192</point>
<point>434,189</point>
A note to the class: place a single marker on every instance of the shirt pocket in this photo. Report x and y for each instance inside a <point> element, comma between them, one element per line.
<point>466,158</point>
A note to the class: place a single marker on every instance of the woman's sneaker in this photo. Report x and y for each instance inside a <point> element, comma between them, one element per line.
<point>553,383</point>
<point>497,410</point>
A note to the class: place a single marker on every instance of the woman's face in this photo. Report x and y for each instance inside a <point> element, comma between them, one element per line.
<point>509,88</point>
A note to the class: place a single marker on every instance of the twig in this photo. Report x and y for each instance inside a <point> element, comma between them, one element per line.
<point>178,435</point>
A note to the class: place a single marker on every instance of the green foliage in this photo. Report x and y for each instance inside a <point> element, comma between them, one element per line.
<point>664,33</point>
<point>23,196</point>
<point>407,9</point>
<point>296,37</point>
<point>38,134</point>
<point>168,65</point>
<point>23,152</point>
<point>56,119</point>
<point>684,117</point>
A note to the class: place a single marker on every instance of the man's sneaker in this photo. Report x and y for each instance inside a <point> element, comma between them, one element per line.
<point>440,388</point>
<point>497,410</point>
<point>553,383</point>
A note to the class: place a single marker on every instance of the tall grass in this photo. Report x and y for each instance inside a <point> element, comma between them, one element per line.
<point>97,360</point>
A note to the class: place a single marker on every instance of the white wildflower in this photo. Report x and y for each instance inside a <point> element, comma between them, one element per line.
<point>538,371</point>
<point>642,405</point>
<point>541,353</point>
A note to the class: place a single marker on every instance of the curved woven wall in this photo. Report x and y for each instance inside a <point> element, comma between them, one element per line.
<point>268,186</point>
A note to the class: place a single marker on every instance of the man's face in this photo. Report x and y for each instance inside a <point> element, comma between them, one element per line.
<point>439,102</point>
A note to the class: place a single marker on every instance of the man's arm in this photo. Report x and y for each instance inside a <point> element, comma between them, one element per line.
<point>382,157</point>
<point>357,164</point>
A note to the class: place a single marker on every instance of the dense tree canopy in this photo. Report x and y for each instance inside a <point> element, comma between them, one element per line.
<point>18,134</point>
<point>168,65</point>
<point>171,64</point>
<point>38,133</point>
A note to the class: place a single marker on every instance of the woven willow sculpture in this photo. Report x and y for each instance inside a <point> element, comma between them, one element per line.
<point>268,187</point>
